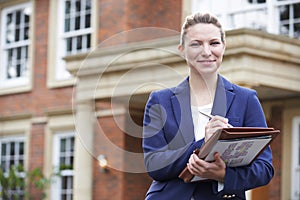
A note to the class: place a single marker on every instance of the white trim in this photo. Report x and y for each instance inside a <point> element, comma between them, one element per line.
<point>56,186</point>
<point>20,81</point>
<point>295,165</point>
<point>60,77</point>
<point>61,73</point>
<point>15,139</point>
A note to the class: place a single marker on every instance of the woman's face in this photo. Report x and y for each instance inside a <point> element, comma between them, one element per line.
<point>203,48</point>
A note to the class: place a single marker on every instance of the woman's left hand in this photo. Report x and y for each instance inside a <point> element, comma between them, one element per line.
<point>211,170</point>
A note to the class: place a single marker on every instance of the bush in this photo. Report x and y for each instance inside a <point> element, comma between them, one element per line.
<point>19,184</point>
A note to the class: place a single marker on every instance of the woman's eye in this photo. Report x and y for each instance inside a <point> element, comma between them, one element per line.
<point>215,43</point>
<point>195,44</point>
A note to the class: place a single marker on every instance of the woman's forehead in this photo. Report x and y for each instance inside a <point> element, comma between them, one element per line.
<point>203,31</point>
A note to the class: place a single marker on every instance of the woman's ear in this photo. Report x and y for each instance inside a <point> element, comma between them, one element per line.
<point>181,50</point>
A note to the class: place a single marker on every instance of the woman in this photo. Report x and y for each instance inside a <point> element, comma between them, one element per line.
<point>174,127</point>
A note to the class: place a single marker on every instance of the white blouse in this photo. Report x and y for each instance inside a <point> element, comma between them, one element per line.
<point>200,120</point>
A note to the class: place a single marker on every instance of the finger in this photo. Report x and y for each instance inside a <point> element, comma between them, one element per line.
<point>218,121</point>
<point>218,160</point>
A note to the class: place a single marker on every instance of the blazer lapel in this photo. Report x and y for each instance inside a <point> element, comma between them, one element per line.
<point>182,111</point>
<point>181,105</point>
<point>223,97</point>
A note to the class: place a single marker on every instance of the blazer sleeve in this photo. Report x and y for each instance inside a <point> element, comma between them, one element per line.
<point>165,153</point>
<point>260,172</point>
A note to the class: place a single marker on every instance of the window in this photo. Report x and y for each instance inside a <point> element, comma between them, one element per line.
<point>15,41</point>
<point>290,20</point>
<point>257,1</point>
<point>12,155</point>
<point>74,33</point>
<point>295,171</point>
<point>278,16</point>
<point>63,160</point>
<point>77,26</point>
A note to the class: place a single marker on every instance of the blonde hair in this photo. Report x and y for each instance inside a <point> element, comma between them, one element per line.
<point>205,18</point>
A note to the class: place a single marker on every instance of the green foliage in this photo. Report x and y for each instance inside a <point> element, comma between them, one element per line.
<point>13,180</point>
<point>18,179</point>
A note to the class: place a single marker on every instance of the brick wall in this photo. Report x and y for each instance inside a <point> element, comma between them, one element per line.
<point>36,154</point>
<point>276,122</point>
<point>108,185</point>
<point>120,15</point>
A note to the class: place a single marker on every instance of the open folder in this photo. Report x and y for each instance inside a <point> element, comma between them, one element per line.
<point>238,146</point>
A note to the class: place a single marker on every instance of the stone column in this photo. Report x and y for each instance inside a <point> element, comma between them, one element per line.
<point>83,158</point>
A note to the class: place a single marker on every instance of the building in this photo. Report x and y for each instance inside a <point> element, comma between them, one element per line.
<point>75,76</point>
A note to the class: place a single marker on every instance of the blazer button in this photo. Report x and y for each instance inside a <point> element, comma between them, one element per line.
<point>228,196</point>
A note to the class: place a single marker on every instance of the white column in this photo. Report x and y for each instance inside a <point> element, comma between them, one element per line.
<point>273,19</point>
<point>83,159</point>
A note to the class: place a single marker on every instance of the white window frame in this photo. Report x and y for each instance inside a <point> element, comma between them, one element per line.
<point>295,165</point>
<point>57,75</point>
<point>56,186</point>
<point>226,13</point>
<point>20,81</point>
<point>61,72</point>
<point>16,138</point>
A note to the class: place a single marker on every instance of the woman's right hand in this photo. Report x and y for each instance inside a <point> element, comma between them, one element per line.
<point>216,122</point>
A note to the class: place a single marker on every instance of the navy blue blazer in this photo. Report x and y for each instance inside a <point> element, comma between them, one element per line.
<point>168,142</point>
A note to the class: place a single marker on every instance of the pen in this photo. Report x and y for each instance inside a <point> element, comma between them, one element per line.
<point>211,116</point>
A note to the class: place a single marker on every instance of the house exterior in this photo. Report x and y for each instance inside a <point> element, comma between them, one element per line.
<point>76,74</point>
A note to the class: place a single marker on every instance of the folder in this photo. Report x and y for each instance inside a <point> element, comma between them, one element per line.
<point>237,146</point>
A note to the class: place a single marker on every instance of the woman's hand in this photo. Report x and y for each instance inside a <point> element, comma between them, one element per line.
<point>216,122</point>
<point>212,170</point>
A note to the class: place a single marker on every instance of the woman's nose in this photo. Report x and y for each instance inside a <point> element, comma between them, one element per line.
<point>206,50</point>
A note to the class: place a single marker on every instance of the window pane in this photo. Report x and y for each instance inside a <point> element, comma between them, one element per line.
<point>78,6</point>
<point>17,35</point>
<point>62,162</point>
<point>88,5</point>
<point>87,21</point>
<point>67,7</point>
<point>257,1</point>
<point>88,41</point>
<point>3,149</point>
<point>297,30</point>
<point>72,144</point>
<point>63,145</point>
<point>12,148</point>
<point>21,148</point>
<point>79,42</point>
<point>296,10</point>
<point>284,29</point>
<point>284,12</point>
<point>3,165</point>
<point>64,182</point>
<point>63,197</point>
<point>27,17</point>
<point>18,18</point>
<point>77,23</point>
<point>69,45</point>
<point>67,24</point>
<point>26,33</point>
<point>71,161</point>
